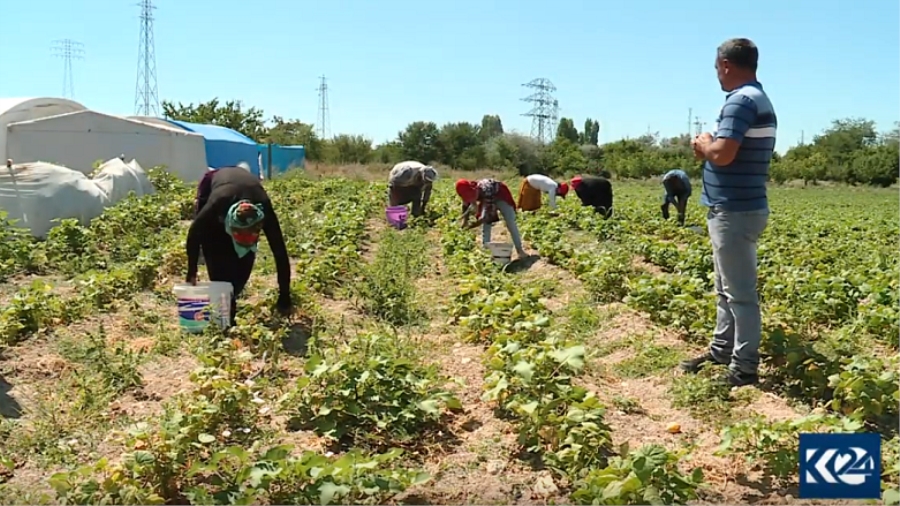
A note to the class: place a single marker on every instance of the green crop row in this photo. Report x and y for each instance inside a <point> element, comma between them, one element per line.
<point>532,377</point>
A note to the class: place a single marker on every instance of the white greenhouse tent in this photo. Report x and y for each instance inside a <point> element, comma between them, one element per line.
<point>13,110</point>
<point>37,194</point>
<point>79,139</point>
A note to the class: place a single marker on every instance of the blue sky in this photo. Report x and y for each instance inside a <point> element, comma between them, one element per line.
<point>632,64</point>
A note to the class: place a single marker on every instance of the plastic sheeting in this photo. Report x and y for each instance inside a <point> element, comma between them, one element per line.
<point>224,146</point>
<point>283,158</point>
<point>38,194</point>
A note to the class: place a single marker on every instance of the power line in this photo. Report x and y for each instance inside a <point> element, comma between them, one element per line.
<point>146,99</point>
<point>545,112</point>
<point>324,118</point>
<point>68,50</point>
<point>698,125</point>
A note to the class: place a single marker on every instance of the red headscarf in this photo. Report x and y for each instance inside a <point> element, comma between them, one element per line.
<point>469,193</point>
<point>562,190</point>
<point>467,190</point>
<point>575,182</point>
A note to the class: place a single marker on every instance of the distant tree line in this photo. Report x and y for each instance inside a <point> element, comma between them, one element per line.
<point>850,151</point>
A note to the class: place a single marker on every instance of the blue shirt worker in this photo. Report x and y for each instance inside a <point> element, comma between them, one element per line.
<point>678,189</point>
<point>734,189</point>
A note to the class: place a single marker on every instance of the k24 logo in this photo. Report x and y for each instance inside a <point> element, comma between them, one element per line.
<point>840,466</point>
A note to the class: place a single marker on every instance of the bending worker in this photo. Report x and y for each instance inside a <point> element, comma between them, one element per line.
<point>410,182</point>
<point>678,190</point>
<point>596,192</point>
<point>232,209</point>
<point>533,186</point>
<point>484,198</point>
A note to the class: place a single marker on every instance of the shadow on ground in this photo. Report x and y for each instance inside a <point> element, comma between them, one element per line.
<point>295,343</point>
<point>521,264</point>
<point>9,407</point>
<point>765,489</point>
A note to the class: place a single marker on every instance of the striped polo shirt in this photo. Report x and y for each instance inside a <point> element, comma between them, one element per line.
<point>749,118</point>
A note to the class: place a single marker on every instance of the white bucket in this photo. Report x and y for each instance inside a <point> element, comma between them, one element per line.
<point>195,302</point>
<point>501,253</point>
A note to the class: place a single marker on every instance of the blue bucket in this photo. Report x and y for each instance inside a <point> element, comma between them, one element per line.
<point>195,302</point>
<point>193,314</point>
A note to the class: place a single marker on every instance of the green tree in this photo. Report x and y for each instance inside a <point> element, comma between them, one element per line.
<point>566,157</point>
<point>460,146</point>
<point>845,137</point>
<point>231,115</point>
<point>566,130</point>
<point>877,166</point>
<point>892,137</point>
<point>591,133</point>
<point>344,148</point>
<point>491,127</point>
<point>295,133</point>
<point>388,152</point>
<point>420,141</point>
<point>514,151</point>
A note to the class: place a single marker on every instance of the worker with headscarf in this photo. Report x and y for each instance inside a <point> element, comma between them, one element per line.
<point>232,209</point>
<point>411,182</point>
<point>487,199</point>
<point>678,190</point>
<point>595,191</point>
<point>536,184</point>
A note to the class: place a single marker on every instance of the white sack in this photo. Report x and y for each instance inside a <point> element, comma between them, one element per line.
<point>36,194</point>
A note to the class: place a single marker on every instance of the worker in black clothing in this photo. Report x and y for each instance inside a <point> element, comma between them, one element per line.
<point>594,191</point>
<point>231,210</point>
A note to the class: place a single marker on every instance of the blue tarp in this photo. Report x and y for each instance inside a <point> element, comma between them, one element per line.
<point>224,146</point>
<point>283,158</point>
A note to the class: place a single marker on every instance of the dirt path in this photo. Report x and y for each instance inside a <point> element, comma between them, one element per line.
<point>482,468</point>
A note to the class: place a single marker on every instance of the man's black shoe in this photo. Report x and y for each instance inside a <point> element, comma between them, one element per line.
<point>695,364</point>
<point>741,379</point>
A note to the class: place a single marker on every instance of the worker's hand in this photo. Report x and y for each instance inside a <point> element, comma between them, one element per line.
<point>284,304</point>
<point>192,280</point>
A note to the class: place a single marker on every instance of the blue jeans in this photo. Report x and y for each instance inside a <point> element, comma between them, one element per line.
<point>734,236</point>
<point>509,217</point>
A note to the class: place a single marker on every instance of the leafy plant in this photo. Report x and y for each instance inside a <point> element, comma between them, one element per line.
<point>648,475</point>
<point>369,391</point>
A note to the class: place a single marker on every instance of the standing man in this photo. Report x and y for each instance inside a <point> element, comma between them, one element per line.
<point>411,182</point>
<point>734,189</point>
<point>678,190</point>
